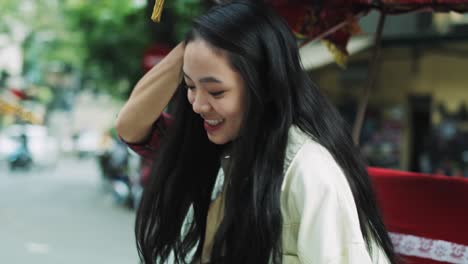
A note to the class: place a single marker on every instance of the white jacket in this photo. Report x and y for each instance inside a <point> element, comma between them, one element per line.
<point>320,220</point>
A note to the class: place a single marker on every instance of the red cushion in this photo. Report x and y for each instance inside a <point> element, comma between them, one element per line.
<point>423,205</point>
<point>416,260</point>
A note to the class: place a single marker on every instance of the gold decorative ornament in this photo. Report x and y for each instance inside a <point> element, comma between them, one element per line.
<point>157,10</point>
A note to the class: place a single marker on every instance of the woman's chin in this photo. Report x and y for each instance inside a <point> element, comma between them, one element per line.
<point>217,139</point>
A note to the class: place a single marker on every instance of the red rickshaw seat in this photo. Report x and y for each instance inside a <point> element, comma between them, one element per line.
<point>426,215</point>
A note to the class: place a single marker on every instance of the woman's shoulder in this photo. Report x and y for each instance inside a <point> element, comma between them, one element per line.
<point>304,149</point>
<point>314,181</point>
<point>310,165</point>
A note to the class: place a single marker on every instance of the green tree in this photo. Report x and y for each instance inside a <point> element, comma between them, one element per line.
<point>185,11</point>
<point>114,36</point>
<point>103,40</point>
<point>116,33</point>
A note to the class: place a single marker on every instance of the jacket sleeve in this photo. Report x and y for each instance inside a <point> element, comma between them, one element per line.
<point>329,230</point>
<point>151,143</point>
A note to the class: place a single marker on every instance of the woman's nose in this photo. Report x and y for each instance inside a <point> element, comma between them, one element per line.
<point>200,103</point>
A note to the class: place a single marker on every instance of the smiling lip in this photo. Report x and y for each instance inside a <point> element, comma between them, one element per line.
<point>210,128</point>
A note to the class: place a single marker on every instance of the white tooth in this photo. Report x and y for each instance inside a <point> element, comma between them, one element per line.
<point>214,122</point>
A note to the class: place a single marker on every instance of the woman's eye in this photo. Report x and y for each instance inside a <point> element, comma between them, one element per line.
<point>217,93</point>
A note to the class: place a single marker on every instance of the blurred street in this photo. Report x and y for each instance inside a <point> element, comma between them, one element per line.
<point>62,215</point>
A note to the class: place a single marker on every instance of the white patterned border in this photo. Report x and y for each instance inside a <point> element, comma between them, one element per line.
<point>429,248</point>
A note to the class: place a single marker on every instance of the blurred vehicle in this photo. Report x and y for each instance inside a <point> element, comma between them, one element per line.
<point>139,170</point>
<point>120,170</point>
<point>44,149</point>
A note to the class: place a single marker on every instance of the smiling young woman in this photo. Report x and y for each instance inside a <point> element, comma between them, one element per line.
<point>217,97</point>
<point>255,165</point>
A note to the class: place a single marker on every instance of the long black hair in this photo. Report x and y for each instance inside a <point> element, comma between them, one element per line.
<point>279,93</point>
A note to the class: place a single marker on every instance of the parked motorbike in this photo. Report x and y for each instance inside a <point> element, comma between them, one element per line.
<point>117,173</point>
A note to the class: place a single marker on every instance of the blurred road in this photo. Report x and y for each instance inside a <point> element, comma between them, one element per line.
<point>62,216</point>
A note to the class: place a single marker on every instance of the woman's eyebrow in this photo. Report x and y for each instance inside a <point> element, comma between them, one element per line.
<point>208,79</point>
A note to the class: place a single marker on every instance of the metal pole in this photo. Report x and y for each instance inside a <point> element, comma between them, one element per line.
<point>370,83</point>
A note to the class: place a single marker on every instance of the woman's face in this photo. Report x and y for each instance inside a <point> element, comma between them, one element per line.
<point>215,91</point>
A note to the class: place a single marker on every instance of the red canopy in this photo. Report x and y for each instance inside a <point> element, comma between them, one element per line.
<point>335,21</point>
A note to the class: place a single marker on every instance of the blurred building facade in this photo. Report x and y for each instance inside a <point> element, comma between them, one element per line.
<point>417,117</point>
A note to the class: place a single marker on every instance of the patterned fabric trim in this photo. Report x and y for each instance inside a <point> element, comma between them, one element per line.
<point>438,250</point>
